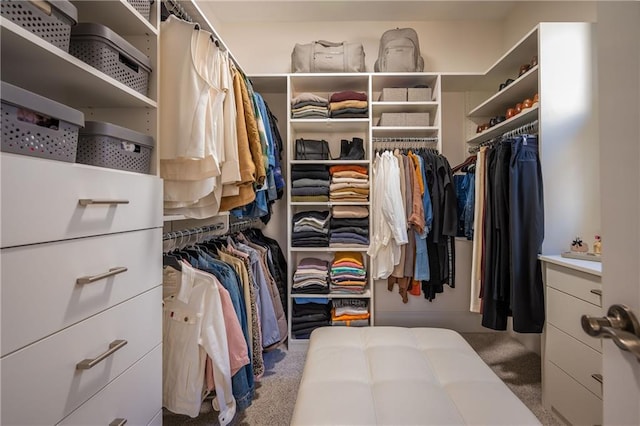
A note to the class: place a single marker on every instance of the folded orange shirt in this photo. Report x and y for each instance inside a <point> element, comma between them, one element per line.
<point>349,167</point>
<point>348,256</point>
<point>349,317</point>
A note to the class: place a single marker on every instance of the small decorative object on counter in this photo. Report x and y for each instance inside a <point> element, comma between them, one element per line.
<point>597,246</point>
<point>579,246</point>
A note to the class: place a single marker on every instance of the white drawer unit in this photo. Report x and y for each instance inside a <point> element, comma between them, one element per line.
<point>572,401</point>
<point>572,360</point>
<point>80,246</point>
<point>565,310</point>
<point>53,200</point>
<point>582,363</point>
<point>66,286</point>
<point>132,397</point>
<point>112,340</point>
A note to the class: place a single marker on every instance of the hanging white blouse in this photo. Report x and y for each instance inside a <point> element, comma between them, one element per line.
<point>188,155</point>
<point>389,227</point>
<point>227,120</point>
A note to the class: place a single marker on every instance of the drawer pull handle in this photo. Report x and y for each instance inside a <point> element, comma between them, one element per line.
<point>597,377</point>
<point>86,364</point>
<point>87,201</point>
<point>118,422</point>
<point>596,292</point>
<point>94,278</point>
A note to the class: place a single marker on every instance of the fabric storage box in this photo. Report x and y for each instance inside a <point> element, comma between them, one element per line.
<point>393,94</point>
<point>106,51</point>
<point>393,119</point>
<point>417,119</point>
<point>419,94</point>
<point>142,6</point>
<point>107,145</point>
<point>37,126</point>
<point>49,20</point>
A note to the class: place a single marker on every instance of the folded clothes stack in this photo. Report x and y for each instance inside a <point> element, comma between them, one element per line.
<point>348,104</point>
<point>349,212</point>
<point>348,232</point>
<point>311,276</point>
<point>310,229</point>
<point>348,274</point>
<point>309,105</point>
<point>309,183</point>
<point>309,314</point>
<point>350,312</point>
<point>349,183</point>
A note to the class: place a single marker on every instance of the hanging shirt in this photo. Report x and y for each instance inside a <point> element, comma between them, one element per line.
<point>185,92</point>
<point>389,227</point>
<point>193,327</point>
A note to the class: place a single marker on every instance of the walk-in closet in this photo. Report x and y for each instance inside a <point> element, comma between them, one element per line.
<point>206,218</point>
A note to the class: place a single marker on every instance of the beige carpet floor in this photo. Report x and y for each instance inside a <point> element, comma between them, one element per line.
<point>276,392</point>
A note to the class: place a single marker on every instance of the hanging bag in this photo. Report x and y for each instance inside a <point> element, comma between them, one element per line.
<point>327,56</point>
<point>399,51</point>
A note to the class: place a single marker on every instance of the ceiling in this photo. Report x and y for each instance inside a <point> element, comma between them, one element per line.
<point>230,11</point>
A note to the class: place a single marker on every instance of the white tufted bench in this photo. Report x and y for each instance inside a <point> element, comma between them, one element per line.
<point>401,376</point>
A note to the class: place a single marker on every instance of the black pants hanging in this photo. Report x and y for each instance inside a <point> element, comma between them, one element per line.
<point>514,230</point>
<point>527,233</point>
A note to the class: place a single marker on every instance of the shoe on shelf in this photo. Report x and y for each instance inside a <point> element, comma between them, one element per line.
<point>356,150</point>
<point>345,146</point>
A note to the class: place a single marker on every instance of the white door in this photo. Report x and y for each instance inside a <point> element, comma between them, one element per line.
<point>618,56</point>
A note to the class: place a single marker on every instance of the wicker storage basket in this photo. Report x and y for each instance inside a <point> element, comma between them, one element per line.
<point>107,145</point>
<point>51,21</point>
<point>106,51</point>
<point>37,126</point>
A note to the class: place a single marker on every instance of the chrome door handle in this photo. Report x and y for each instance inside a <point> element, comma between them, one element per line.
<point>118,422</point>
<point>620,324</point>
<point>88,201</point>
<point>88,363</point>
<point>94,278</point>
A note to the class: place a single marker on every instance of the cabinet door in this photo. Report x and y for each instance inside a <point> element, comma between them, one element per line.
<point>569,398</point>
<point>49,367</point>
<point>41,200</point>
<point>40,281</point>
<point>135,396</point>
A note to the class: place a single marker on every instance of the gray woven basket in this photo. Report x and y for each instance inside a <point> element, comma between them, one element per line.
<point>142,6</point>
<point>106,51</point>
<point>37,126</point>
<point>55,27</point>
<point>107,145</point>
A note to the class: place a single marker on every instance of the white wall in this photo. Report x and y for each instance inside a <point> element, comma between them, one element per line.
<point>526,15</point>
<point>445,45</point>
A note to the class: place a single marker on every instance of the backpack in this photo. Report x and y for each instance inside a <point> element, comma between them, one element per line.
<point>399,51</point>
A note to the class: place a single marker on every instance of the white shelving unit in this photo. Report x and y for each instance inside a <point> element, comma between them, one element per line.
<point>523,87</point>
<point>99,265</point>
<point>333,130</point>
<point>431,130</point>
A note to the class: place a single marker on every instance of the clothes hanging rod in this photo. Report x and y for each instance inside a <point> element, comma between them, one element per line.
<point>404,139</point>
<point>185,233</point>
<point>525,129</point>
<point>191,10</point>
